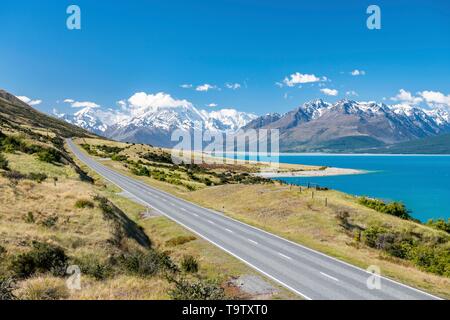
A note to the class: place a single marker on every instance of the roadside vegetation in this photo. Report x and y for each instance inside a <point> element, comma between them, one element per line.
<point>359,230</point>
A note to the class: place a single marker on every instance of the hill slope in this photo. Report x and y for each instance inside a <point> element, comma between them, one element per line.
<point>14,113</point>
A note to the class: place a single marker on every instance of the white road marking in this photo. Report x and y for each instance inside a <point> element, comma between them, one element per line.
<point>195,214</point>
<point>183,209</point>
<point>210,222</point>
<point>230,231</point>
<point>328,276</point>
<point>252,241</point>
<point>284,256</point>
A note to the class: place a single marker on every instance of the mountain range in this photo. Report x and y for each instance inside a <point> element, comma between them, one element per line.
<point>351,126</point>
<point>315,126</point>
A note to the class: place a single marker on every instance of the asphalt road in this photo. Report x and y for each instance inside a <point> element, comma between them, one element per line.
<point>307,272</point>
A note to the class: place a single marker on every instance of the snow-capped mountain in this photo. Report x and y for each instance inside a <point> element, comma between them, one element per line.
<point>348,124</point>
<point>314,126</point>
<point>155,124</point>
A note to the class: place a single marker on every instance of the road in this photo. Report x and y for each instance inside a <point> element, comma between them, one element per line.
<point>307,272</point>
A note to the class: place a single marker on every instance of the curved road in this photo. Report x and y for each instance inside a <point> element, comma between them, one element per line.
<point>309,273</point>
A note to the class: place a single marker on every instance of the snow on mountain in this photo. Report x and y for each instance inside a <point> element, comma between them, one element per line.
<point>161,118</point>
<point>152,118</point>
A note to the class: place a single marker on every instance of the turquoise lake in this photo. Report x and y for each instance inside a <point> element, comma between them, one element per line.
<point>422,183</point>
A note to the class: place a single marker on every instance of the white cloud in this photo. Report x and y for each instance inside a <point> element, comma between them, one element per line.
<point>406,97</point>
<point>212,105</point>
<point>357,72</point>
<point>233,86</point>
<point>329,92</point>
<point>81,104</point>
<point>158,100</point>
<point>205,87</point>
<point>29,101</point>
<point>435,98</point>
<point>351,93</point>
<point>186,86</point>
<point>299,78</point>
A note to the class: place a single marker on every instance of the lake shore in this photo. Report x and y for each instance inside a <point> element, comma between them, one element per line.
<point>329,171</point>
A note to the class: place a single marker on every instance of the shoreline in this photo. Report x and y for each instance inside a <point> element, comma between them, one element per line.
<point>330,171</point>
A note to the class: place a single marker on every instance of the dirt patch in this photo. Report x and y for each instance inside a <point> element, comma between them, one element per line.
<point>253,286</point>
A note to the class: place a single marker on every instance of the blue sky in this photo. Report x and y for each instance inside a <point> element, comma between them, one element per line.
<point>133,46</point>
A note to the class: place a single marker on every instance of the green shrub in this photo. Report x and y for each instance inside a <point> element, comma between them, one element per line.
<point>146,263</point>
<point>189,264</point>
<point>29,218</point>
<point>14,175</point>
<point>432,259</point>
<point>3,162</point>
<point>84,203</point>
<point>393,208</point>
<point>439,224</point>
<point>49,155</point>
<point>43,258</point>
<point>119,157</point>
<point>91,266</point>
<point>7,287</point>
<point>50,221</point>
<point>199,290</point>
<point>140,171</point>
<point>38,177</point>
<point>179,240</point>
<point>2,250</point>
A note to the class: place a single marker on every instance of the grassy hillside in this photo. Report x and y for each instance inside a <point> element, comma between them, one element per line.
<point>17,115</point>
<point>360,231</point>
<point>55,214</point>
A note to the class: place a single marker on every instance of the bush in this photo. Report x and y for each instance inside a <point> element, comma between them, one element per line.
<point>38,177</point>
<point>2,250</point>
<point>84,203</point>
<point>7,286</point>
<point>43,258</point>
<point>14,176</point>
<point>119,157</point>
<point>43,288</point>
<point>439,224</point>
<point>146,263</point>
<point>199,290</point>
<point>29,218</point>
<point>189,264</point>
<point>179,240</point>
<point>50,222</point>
<point>49,155</point>
<point>3,162</point>
<point>431,259</point>
<point>394,208</point>
<point>91,266</point>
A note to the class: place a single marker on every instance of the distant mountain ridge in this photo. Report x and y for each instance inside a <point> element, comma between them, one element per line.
<point>350,126</point>
<point>315,126</point>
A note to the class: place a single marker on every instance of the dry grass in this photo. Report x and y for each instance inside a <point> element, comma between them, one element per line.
<point>296,216</point>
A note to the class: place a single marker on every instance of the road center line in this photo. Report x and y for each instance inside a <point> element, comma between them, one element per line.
<point>328,276</point>
<point>284,256</point>
<point>210,222</point>
<point>230,231</point>
<point>252,241</point>
<point>195,214</point>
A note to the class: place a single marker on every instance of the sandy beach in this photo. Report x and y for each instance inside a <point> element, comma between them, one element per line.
<point>330,171</point>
